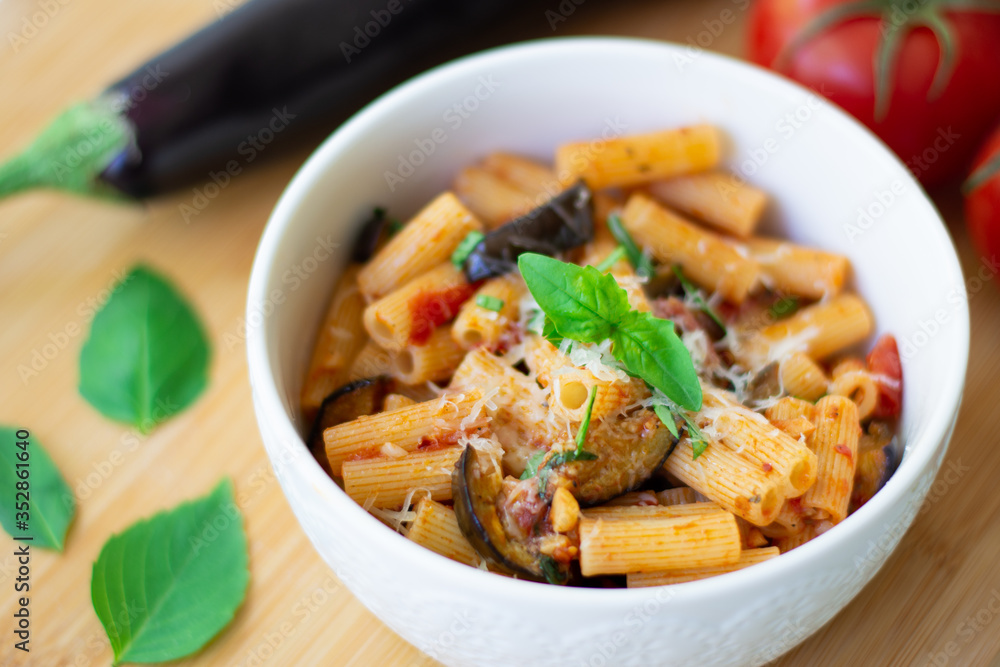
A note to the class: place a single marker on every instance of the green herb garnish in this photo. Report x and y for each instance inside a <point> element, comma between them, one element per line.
<point>531,469</point>
<point>489,302</point>
<point>42,508</point>
<point>535,467</point>
<point>466,247</point>
<point>695,294</point>
<point>147,354</point>
<point>667,417</point>
<point>783,307</point>
<point>668,412</point>
<point>611,259</point>
<point>581,435</point>
<point>640,262</point>
<point>588,306</point>
<point>551,570</point>
<point>168,584</point>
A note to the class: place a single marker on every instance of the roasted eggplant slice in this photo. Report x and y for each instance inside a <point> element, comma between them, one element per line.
<point>765,384</point>
<point>478,492</point>
<point>877,460</point>
<point>371,234</point>
<point>628,452</point>
<point>565,221</point>
<point>353,400</point>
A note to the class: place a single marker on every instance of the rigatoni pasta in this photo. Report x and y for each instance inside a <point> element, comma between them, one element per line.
<point>706,258</point>
<point>654,543</point>
<point>668,413</point>
<point>723,201</point>
<point>341,337</point>
<point>424,242</point>
<point>434,526</point>
<point>641,158</point>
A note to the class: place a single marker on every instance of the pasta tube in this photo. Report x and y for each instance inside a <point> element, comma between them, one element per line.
<point>656,543</point>
<point>341,337</point>
<point>640,158</point>
<point>835,442</point>
<point>384,481</point>
<point>747,558</point>
<point>405,428</point>
<point>436,528</point>
<point>703,255</point>
<point>425,242</point>
<point>715,197</point>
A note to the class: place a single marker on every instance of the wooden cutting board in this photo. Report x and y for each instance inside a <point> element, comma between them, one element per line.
<point>59,255</point>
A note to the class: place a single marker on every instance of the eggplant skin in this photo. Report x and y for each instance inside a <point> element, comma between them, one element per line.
<point>275,73</point>
<point>476,482</point>
<point>371,233</point>
<point>353,400</point>
<point>564,222</point>
<point>628,452</point>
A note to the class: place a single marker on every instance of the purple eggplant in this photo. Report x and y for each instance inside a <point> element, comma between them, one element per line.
<point>353,400</point>
<point>269,72</point>
<point>877,460</point>
<point>564,222</point>
<point>507,520</point>
<point>494,521</point>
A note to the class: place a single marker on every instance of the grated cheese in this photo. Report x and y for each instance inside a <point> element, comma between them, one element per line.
<point>485,402</point>
<point>795,343</point>
<point>396,518</point>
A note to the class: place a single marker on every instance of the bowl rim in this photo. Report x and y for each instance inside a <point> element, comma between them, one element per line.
<point>272,416</point>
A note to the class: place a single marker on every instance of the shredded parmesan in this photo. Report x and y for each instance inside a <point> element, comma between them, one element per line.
<point>485,402</point>
<point>598,360</point>
<point>696,343</point>
<point>396,518</point>
<point>392,450</point>
<point>794,343</point>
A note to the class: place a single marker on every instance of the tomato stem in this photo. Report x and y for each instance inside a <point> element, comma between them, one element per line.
<point>984,173</point>
<point>895,24</point>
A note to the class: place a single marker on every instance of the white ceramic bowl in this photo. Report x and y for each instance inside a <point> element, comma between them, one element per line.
<point>834,186</point>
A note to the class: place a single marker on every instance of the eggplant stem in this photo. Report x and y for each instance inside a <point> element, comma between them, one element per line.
<point>72,152</point>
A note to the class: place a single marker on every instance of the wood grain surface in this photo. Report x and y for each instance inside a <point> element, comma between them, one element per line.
<point>59,255</point>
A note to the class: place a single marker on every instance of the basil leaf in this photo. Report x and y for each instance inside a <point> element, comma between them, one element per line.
<point>650,348</point>
<point>147,354</point>
<point>640,262</point>
<point>583,303</point>
<point>50,501</point>
<point>550,334</point>
<point>168,584</point>
<point>668,419</point>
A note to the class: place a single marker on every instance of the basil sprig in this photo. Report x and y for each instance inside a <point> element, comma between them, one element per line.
<point>588,306</point>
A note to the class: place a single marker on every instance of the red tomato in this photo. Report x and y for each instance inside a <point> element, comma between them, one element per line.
<point>982,202</point>
<point>884,364</point>
<point>933,133</point>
